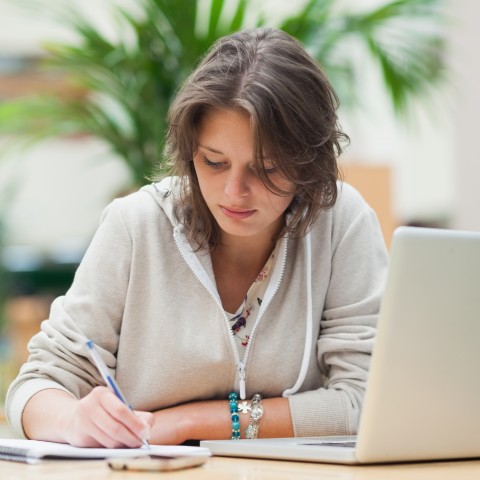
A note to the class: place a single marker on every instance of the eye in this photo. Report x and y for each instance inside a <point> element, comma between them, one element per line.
<point>270,170</point>
<point>214,165</point>
<point>266,169</point>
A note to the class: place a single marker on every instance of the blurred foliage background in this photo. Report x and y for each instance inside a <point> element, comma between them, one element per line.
<point>125,81</point>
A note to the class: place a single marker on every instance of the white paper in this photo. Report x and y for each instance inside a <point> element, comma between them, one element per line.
<point>34,450</point>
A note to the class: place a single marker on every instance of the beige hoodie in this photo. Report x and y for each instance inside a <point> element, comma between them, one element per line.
<point>151,306</point>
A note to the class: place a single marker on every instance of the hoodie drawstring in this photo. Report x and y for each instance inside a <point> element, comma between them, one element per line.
<point>309,323</point>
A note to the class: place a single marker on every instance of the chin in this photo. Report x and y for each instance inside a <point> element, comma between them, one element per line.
<point>239,230</point>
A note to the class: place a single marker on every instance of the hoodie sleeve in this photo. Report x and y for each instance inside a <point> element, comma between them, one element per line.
<point>348,327</point>
<point>92,308</point>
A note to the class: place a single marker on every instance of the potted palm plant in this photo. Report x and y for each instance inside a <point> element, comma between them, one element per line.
<point>126,83</point>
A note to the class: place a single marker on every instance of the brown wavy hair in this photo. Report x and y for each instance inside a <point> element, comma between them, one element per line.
<point>292,108</point>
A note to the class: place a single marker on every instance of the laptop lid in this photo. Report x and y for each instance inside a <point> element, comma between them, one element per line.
<point>424,383</point>
<point>423,390</point>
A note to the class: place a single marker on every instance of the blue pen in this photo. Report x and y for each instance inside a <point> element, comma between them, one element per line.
<point>109,380</point>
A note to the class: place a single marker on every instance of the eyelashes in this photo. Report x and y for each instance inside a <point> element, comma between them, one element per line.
<point>270,170</point>
<point>218,165</point>
<point>214,165</point>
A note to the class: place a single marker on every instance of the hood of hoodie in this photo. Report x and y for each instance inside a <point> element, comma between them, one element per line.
<point>164,193</point>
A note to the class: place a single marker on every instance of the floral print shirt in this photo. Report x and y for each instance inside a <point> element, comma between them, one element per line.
<point>244,318</point>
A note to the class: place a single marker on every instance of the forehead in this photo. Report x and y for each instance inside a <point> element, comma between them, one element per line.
<point>221,118</point>
<point>225,128</point>
<point>232,130</point>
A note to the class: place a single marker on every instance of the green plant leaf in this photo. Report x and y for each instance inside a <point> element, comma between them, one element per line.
<point>127,80</point>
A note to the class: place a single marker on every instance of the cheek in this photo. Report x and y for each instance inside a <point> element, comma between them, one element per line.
<point>200,173</point>
<point>204,189</point>
<point>287,186</point>
<point>282,202</point>
<point>207,185</point>
<point>286,202</point>
<point>283,184</point>
<point>279,204</point>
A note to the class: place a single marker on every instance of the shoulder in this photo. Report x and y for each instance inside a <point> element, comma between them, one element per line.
<point>351,217</point>
<point>138,210</point>
<point>349,209</point>
<point>349,200</point>
<point>349,205</point>
<point>133,203</point>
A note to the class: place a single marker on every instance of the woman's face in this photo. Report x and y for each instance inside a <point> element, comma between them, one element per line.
<point>239,202</point>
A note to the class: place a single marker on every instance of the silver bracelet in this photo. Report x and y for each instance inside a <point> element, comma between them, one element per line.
<point>256,413</point>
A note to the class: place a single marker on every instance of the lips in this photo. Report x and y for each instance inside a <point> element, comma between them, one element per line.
<point>237,213</point>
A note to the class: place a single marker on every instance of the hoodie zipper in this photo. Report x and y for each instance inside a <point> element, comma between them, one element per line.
<point>243,364</point>
<point>204,280</point>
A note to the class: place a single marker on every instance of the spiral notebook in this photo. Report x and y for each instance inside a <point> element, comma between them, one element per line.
<point>423,393</point>
<point>34,451</point>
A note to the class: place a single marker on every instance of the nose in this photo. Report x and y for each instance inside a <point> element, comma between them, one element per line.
<point>238,184</point>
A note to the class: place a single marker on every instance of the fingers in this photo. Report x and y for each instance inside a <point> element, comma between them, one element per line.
<point>113,428</point>
<point>105,420</point>
<point>120,423</point>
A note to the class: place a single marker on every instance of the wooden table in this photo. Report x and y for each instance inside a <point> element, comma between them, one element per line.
<point>223,468</point>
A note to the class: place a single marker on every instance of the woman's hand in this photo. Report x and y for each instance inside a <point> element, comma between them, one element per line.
<point>99,419</point>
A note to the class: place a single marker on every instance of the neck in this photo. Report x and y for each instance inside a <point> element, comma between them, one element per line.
<point>244,250</point>
<point>236,263</point>
<point>248,250</point>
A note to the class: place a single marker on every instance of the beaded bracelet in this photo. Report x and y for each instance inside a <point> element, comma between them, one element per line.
<point>232,398</point>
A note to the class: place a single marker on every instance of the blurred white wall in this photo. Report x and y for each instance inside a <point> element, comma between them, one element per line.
<point>464,59</point>
<point>59,189</point>
<point>64,185</point>
<point>22,31</point>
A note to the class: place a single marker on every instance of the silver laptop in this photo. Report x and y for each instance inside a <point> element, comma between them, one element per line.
<point>423,394</point>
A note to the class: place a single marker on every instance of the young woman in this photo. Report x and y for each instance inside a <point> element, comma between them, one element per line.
<point>251,271</point>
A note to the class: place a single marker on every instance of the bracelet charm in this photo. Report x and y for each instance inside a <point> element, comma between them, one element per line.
<point>256,413</point>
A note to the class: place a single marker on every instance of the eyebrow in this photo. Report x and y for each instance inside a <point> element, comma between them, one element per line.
<point>214,150</point>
